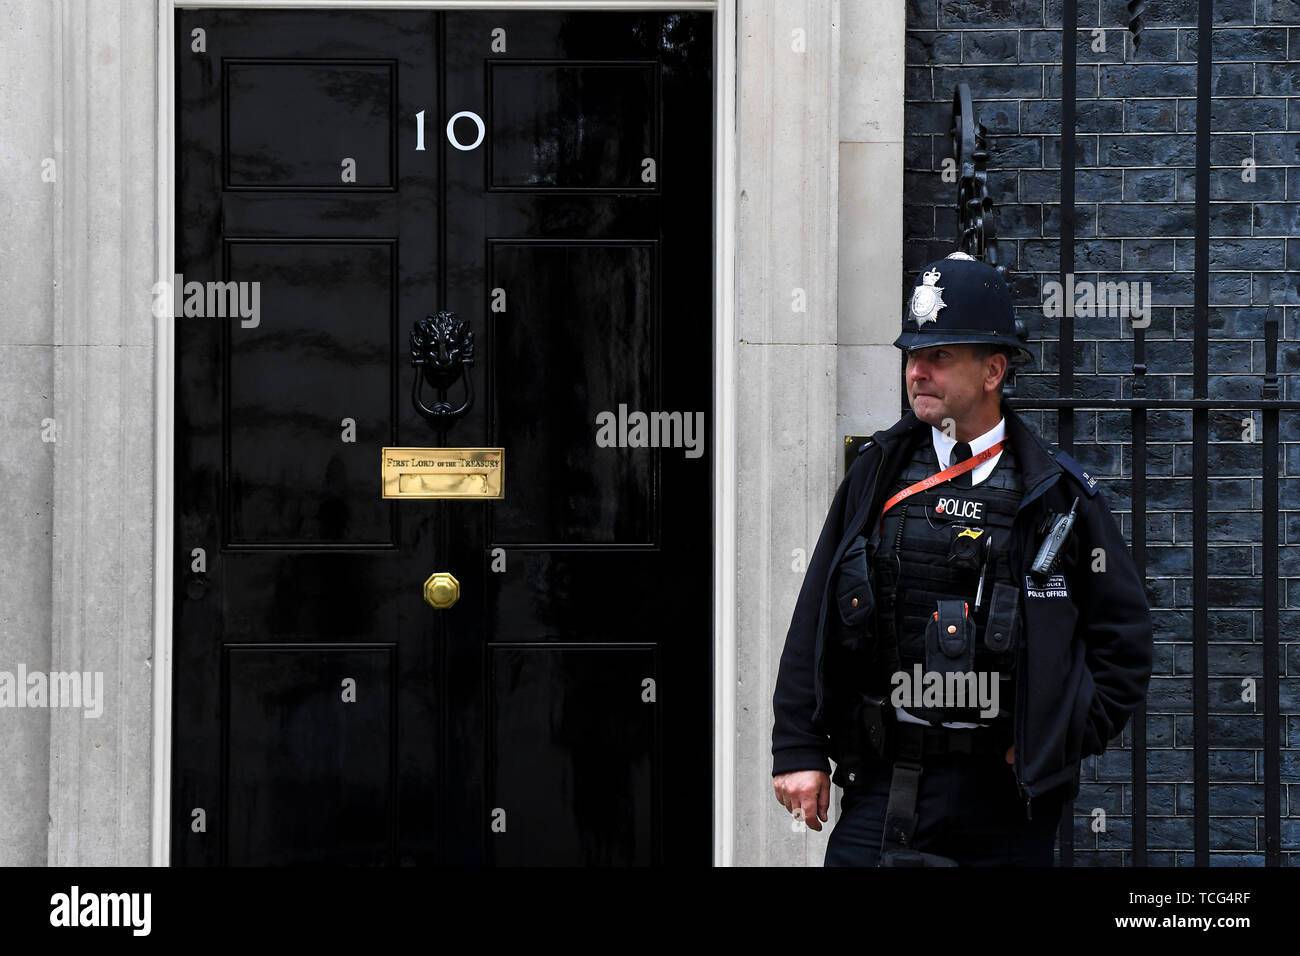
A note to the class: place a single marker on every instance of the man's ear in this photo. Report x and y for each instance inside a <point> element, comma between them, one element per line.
<point>999,371</point>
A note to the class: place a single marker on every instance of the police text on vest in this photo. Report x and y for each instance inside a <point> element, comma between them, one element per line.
<point>1054,588</point>
<point>960,508</point>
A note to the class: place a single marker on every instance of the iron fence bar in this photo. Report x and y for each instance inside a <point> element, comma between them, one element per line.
<point>1065,338</point>
<point>1200,449</point>
<point>1139,548</point>
<point>1270,517</point>
<point>1138,769</point>
<point>1138,520</point>
<point>1138,415</point>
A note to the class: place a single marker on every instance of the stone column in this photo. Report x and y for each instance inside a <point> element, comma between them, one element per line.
<point>77,350</point>
<point>786,317</point>
<point>29,137</point>
<point>871,214</point>
<point>818,271</point>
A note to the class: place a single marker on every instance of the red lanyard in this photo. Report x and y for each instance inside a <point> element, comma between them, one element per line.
<point>952,472</point>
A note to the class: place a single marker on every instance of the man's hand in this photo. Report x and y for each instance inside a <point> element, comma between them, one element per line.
<point>1011,754</point>
<point>808,791</point>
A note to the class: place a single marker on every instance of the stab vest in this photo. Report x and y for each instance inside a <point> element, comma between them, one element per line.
<point>914,570</point>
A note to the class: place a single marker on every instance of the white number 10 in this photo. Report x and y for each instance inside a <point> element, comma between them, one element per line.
<point>451,130</point>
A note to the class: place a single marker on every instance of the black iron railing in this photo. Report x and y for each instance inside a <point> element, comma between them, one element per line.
<point>977,236</point>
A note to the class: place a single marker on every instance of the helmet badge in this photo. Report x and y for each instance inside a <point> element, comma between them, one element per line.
<point>927,299</point>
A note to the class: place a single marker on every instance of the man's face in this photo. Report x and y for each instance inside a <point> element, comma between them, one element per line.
<point>947,381</point>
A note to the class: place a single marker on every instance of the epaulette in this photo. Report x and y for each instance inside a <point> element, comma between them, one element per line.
<point>1075,469</point>
<point>864,446</point>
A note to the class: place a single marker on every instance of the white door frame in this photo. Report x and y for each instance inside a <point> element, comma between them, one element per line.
<point>724,388</point>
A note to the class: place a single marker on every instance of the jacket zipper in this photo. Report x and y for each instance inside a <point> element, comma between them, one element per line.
<point>1022,682</point>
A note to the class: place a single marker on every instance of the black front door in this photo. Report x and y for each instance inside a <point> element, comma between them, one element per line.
<point>547,177</point>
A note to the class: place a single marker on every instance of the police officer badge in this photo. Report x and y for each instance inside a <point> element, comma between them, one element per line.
<point>927,299</point>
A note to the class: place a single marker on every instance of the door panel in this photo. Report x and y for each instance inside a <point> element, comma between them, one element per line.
<point>324,712</point>
<point>330,320</point>
<point>575,125</point>
<point>581,314</point>
<point>574,748</point>
<point>306,782</point>
<point>290,122</point>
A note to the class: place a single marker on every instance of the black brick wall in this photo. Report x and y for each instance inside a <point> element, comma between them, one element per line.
<point>1134,192</point>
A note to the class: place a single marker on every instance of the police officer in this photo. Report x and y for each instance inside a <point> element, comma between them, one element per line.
<point>970,625</point>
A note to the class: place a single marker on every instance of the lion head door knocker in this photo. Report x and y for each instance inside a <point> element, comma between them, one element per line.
<point>442,351</point>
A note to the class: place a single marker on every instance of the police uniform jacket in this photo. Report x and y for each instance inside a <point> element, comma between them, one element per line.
<point>1085,656</point>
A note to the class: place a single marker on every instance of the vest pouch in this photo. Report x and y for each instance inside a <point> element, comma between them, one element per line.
<point>1002,629</point>
<point>950,638</point>
<point>853,594</point>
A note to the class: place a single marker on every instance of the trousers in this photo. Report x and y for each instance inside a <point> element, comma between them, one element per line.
<point>968,808</point>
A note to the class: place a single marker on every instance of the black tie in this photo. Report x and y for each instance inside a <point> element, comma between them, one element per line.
<point>960,452</point>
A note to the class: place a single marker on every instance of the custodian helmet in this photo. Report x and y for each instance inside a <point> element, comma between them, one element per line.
<point>960,299</point>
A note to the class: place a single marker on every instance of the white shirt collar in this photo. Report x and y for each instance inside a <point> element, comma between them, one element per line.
<point>943,444</point>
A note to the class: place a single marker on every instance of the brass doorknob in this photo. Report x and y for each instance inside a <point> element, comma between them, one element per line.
<point>442,590</point>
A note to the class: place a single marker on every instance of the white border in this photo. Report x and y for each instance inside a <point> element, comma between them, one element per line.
<point>164,499</point>
<point>724,393</point>
<point>724,431</point>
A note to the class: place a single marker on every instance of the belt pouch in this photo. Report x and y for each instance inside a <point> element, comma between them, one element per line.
<point>950,639</point>
<point>877,725</point>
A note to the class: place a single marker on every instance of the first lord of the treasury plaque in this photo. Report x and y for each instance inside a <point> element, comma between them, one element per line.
<point>443,472</point>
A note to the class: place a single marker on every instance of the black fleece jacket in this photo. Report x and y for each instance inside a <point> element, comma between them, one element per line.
<point>1085,659</point>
